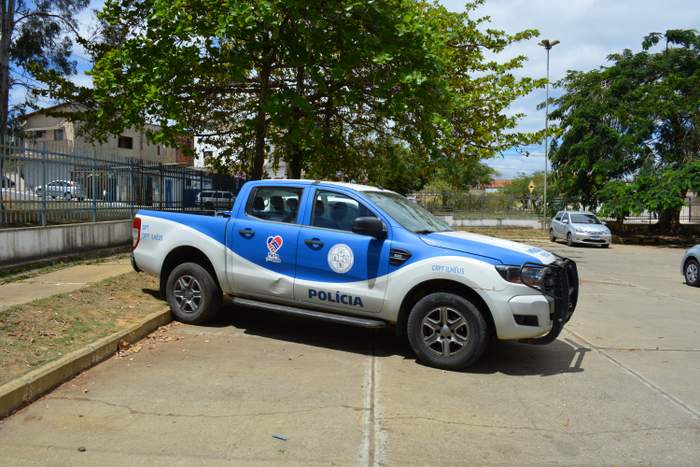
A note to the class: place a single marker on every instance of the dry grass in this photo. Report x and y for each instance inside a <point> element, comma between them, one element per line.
<point>36,333</point>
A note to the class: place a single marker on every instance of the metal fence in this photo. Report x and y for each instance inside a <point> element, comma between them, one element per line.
<point>466,205</point>
<point>39,186</point>
<point>476,205</point>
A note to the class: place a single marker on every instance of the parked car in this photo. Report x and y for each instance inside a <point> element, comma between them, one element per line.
<point>579,227</point>
<point>215,199</point>
<point>357,255</point>
<point>690,267</point>
<point>66,189</point>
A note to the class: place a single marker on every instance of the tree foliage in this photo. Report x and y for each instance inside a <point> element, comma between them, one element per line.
<point>35,38</point>
<point>631,131</point>
<point>336,88</point>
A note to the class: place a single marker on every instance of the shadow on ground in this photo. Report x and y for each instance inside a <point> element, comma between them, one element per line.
<point>510,358</point>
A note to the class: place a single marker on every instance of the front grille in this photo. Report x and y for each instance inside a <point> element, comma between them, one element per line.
<point>564,289</point>
<point>560,283</point>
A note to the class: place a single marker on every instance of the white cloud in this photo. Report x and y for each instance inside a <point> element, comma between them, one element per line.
<point>589,30</point>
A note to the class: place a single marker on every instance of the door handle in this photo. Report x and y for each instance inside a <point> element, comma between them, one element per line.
<point>314,242</point>
<point>247,232</point>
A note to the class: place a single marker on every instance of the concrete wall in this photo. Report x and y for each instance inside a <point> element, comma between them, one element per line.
<point>531,223</point>
<point>26,244</point>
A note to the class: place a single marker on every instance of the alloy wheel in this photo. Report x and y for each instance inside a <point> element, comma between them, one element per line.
<point>188,294</point>
<point>691,272</point>
<point>445,331</point>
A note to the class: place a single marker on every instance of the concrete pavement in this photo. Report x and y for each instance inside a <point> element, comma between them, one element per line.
<point>62,280</point>
<point>618,387</point>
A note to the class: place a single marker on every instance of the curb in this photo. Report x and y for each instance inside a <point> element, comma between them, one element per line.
<point>28,388</point>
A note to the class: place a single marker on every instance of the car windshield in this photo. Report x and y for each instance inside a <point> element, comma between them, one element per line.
<point>584,219</point>
<point>409,215</point>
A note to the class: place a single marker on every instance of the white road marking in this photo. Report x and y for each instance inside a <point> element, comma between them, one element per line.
<point>365,455</point>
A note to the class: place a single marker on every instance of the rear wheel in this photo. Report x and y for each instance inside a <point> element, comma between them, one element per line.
<point>691,271</point>
<point>447,331</point>
<point>192,294</point>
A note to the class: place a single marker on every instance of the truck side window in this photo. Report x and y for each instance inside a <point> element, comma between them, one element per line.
<point>336,211</point>
<point>274,203</point>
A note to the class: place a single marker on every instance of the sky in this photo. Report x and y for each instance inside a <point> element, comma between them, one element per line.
<point>589,30</point>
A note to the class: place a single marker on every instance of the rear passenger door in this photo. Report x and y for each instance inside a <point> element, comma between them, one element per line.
<point>263,239</point>
<point>337,269</point>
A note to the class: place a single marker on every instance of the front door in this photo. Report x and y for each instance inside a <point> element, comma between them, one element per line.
<point>337,269</point>
<point>263,241</point>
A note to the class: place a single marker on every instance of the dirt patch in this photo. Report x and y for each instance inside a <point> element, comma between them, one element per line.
<point>44,330</point>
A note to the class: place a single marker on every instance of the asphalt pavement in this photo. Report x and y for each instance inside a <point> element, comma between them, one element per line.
<point>619,387</point>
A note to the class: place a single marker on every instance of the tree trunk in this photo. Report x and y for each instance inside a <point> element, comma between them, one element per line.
<point>261,122</point>
<point>296,154</point>
<point>669,221</point>
<point>8,19</point>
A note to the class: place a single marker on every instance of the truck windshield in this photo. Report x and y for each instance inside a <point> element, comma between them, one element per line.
<point>409,215</point>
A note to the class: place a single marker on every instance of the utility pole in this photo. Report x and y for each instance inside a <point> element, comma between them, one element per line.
<point>547,44</point>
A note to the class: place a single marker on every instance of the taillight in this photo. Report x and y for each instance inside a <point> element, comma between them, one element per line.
<point>135,232</point>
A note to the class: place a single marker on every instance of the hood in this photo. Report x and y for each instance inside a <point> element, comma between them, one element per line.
<point>505,251</point>
<point>591,227</point>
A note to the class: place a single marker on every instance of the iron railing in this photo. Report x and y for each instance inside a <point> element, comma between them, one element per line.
<point>496,205</point>
<point>40,186</point>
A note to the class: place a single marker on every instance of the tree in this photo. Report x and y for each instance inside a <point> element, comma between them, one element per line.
<point>33,38</point>
<point>630,131</point>
<point>316,84</point>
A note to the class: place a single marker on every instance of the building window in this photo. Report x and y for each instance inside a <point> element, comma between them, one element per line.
<point>158,150</point>
<point>58,134</point>
<point>125,142</point>
<point>36,134</point>
<point>208,154</point>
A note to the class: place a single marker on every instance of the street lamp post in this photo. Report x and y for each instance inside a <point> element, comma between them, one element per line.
<point>547,44</point>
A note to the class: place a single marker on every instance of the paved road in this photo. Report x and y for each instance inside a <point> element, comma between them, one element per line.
<point>618,388</point>
<point>60,281</point>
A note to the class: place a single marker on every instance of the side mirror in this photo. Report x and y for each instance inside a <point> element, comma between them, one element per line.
<point>369,226</point>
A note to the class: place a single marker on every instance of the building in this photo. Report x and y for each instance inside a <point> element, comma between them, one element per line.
<point>496,185</point>
<point>47,132</point>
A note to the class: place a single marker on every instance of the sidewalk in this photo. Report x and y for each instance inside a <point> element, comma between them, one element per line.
<point>63,280</point>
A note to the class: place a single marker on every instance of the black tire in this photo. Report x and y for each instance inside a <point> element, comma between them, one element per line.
<point>569,242</point>
<point>687,267</point>
<point>67,196</point>
<point>466,342</point>
<point>552,237</point>
<point>185,303</point>
<point>605,245</point>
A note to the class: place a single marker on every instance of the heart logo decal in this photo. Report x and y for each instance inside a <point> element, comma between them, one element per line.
<point>274,243</point>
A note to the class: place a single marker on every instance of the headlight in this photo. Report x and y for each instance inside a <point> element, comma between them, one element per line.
<point>530,275</point>
<point>580,230</point>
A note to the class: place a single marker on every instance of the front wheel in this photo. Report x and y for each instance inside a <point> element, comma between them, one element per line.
<point>192,294</point>
<point>691,271</point>
<point>552,237</point>
<point>447,331</point>
<point>569,241</point>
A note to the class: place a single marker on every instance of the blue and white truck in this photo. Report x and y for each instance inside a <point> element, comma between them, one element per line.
<point>357,255</point>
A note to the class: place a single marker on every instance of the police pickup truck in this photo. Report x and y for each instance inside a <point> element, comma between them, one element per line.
<point>357,255</point>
